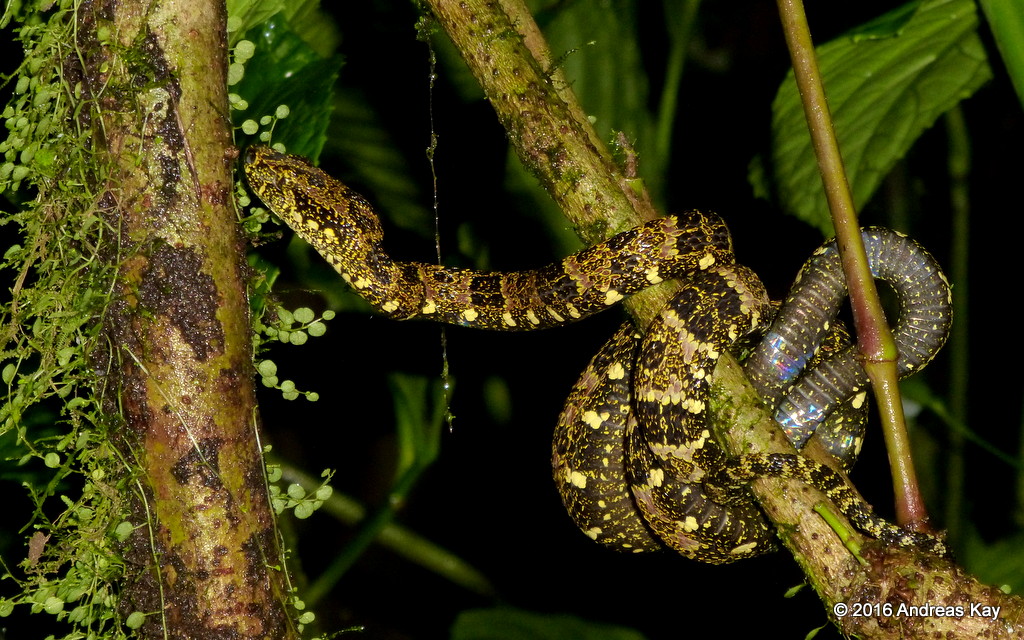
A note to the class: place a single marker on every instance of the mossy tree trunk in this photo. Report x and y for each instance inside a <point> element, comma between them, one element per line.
<point>179,331</point>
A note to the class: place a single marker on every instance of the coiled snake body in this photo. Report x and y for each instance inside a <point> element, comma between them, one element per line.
<point>633,455</point>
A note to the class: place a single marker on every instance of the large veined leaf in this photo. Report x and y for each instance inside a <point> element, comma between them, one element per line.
<point>304,16</point>
<point>291,73</point>
<point>1006,20</point>
<point>883,91</point>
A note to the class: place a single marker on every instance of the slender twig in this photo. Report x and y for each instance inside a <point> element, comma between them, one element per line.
<point>959,198</point>
<point>874,338</point>
<point>680,33</point>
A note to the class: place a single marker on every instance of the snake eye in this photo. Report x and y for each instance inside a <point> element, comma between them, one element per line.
<point>250,155</point>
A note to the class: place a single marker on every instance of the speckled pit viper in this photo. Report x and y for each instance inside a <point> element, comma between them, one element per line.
<point>633,454</point>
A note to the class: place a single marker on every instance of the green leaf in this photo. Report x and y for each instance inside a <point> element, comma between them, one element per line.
<point>316,329</point>
<point>308,21</point>
<point>285,70</point>
<point>887,25</point>
<point>1006,20</point>
<point>244,50</point>
<point>267,368</point>
<point>53,605</point>
<point>64,355</point>
<point>123,530</point>
<point>883,93</point>
<point>246,14</point>
<point>274,473</point>
<point>999,563</point>
<point>512,624</point>
<point>418,433</point>
<point>135,620</point>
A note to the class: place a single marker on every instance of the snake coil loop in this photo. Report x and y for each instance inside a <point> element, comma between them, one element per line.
<point>633,455</point>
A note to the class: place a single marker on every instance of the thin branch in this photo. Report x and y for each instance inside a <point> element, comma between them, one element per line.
<point>874,337</point>
<point>959,359</point>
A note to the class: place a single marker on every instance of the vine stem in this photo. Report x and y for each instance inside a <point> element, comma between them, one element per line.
<point>874,339</point>
<point>959,168</point>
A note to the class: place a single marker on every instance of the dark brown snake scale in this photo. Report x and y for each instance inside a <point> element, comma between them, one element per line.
<point>633,454</point>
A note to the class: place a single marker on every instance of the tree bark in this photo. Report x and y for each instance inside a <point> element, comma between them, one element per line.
<point>179,336</point>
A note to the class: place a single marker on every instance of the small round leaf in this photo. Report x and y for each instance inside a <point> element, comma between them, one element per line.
<point>135,620</point>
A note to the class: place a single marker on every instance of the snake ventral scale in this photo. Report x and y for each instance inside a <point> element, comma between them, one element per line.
<point>633,454</point>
